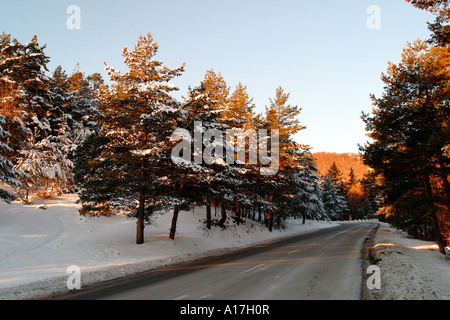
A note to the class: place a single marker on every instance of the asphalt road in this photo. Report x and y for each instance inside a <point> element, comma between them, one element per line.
<point>321,265</point>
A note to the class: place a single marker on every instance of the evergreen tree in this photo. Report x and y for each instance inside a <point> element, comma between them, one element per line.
<point>440,27</point>
<point>356,197</point>
<point>308,200</point>
<point>34,119</point>
<point>86,99</point>
<point>197,164</point>
<point>281,118</point>
<point>333,202</point>
<point>336,175</point>
<point>409,128</point>
<point>217,88</point>
<point>138,122</point>
<point>239,111</point>
<point>352,181</point>
<point>8,175</point>
<point>25,85</point>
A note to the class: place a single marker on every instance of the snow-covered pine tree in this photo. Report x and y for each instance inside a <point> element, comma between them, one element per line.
<point>47,169</point>
<point>22,69</point>
<point>282,117</point>
<point>218,89</point>
<point>85,111</point>
<point>337,177</point>
<point>205,178</point>
<point>33,137</point>
<point>88,94</point>
<point>333,202</point>
<point>239,111</point>
<point>233,195</point>
<point>308,200</point>
<point>138,122</point>
<point>8,175</point>
<point>61,101</point>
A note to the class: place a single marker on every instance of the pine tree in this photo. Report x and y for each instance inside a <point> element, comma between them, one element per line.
<point>239,111</point>
<point>440,27</point>
<point>235,113</point>
<point>204,174</point>
<point>352,181</point>
<point>333,202</point>
<point>217,88</point>
<point>138,122</point>
<point>336,175</point>
<point>308,200</point>
<point>35,125</point>
<point>356,197</point>
<point>409,128</point>
<point>23,79</point>
<point>86,99</point>
<point>280,117</point>
<point>8,175</point>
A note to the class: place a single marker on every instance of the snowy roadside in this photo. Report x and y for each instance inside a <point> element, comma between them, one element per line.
<point>38,245</point>
<point>410,269</point>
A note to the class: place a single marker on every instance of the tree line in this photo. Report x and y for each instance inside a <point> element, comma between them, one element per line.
<point>410,134</point>
<point>114,144</point>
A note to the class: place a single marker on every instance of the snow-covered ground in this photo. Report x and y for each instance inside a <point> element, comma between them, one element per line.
<point>37,246</point>
<point>410,269</point>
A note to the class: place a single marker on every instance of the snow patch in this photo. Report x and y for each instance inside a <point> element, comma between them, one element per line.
<point>410,269</point>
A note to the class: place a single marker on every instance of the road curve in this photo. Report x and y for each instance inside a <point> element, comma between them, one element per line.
<point>321,265</point>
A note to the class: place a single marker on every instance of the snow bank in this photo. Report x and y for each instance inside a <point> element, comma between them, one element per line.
<point>39,242</point>
<point>410,269</point>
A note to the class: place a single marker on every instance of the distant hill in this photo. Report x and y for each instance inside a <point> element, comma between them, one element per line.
<point>344,162</point>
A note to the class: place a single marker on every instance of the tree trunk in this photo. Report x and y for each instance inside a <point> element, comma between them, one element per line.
<point>439,239</point>
<point>224,214</point>
<point>443,173</point>
<point>238,213</point>
<point>208,216</point>
<point>44,194</point>
<point>140,220</point>
<point>446,188</point>
<point>173,228</point>
<point>304,218</point>
<point>270,222</point>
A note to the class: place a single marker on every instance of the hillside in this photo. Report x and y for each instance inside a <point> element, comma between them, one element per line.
<point>344,162</point>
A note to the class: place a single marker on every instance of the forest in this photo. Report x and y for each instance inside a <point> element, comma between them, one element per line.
<point>113,143</point>
<point>410,134</point>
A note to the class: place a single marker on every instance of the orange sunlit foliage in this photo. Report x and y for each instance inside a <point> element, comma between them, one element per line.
<point>344,161</point>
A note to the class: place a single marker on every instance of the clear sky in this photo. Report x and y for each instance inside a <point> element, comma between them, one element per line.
<point>321,51</point>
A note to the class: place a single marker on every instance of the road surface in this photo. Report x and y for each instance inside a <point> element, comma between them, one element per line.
<point>324,265</point>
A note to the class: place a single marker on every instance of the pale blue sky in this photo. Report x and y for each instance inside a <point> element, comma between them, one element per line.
<point>320,51</point>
